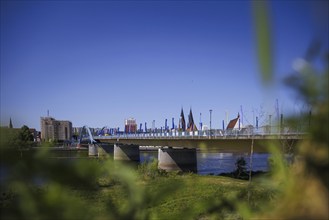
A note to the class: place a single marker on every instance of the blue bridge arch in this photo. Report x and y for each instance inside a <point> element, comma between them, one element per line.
<point>91,140</point>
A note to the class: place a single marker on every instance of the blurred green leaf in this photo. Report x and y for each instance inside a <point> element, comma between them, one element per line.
<point>263,37</point>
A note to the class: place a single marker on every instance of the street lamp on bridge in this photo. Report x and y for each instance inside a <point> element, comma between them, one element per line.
<point>210,111</point>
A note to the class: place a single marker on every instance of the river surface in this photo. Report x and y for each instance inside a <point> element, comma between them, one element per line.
<point>207,162</point>
<point>217,163</point>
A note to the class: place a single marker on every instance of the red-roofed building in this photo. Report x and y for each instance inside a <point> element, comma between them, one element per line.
<point>234,124</point>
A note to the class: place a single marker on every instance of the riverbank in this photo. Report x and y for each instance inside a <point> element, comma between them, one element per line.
<point>176,196</point>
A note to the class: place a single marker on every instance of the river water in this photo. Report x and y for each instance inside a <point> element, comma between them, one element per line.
<point>207,162</point>
<point>216,163</point>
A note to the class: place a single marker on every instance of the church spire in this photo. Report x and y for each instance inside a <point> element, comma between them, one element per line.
<point>182,120</point>
<point>191,125</point>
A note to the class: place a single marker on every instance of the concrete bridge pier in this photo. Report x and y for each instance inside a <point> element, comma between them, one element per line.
<point>92,150</point>
<point>126,152</point>
<point>177,159</point>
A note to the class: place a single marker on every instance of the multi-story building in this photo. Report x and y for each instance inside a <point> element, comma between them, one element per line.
<point>130,125</point>
<point>52,129</point>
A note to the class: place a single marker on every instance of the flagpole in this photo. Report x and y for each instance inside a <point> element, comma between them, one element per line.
<point>210,111</point>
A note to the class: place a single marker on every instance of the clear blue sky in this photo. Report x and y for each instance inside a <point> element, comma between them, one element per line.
<point>99,62</point>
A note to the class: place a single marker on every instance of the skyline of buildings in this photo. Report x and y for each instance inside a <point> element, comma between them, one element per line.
<point>63,130</point>
<point>133,123</point>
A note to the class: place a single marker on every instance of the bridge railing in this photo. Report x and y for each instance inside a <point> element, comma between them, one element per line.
<point>216,134</point>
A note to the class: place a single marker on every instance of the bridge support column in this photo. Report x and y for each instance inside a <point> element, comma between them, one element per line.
<point>177,159</point>
<point>92,150</point>
<point>126,152</point>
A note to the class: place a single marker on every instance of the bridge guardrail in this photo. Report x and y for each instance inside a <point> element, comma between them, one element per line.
<point>202,135</point>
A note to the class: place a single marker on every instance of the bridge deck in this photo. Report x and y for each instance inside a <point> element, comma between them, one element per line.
<point>241,143</point>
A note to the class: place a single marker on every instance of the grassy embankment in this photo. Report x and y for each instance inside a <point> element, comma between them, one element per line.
<point>175,196</point>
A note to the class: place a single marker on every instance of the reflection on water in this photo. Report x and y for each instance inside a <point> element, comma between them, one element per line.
<point>216,163</point>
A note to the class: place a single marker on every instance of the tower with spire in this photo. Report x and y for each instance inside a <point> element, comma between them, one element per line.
<point>182,124</point>
<point>191,126</point>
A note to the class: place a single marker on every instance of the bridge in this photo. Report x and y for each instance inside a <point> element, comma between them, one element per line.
<point>228,143</point>
<point>177,149</point>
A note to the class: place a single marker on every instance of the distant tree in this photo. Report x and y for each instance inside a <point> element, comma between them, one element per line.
<point>25,138</point>
<point>16,139</point>
<point>25,134</point>
<point>9,137</point>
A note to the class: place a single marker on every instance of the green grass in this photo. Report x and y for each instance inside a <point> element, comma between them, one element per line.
<point>192,194</point>
<point>186,196</point>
